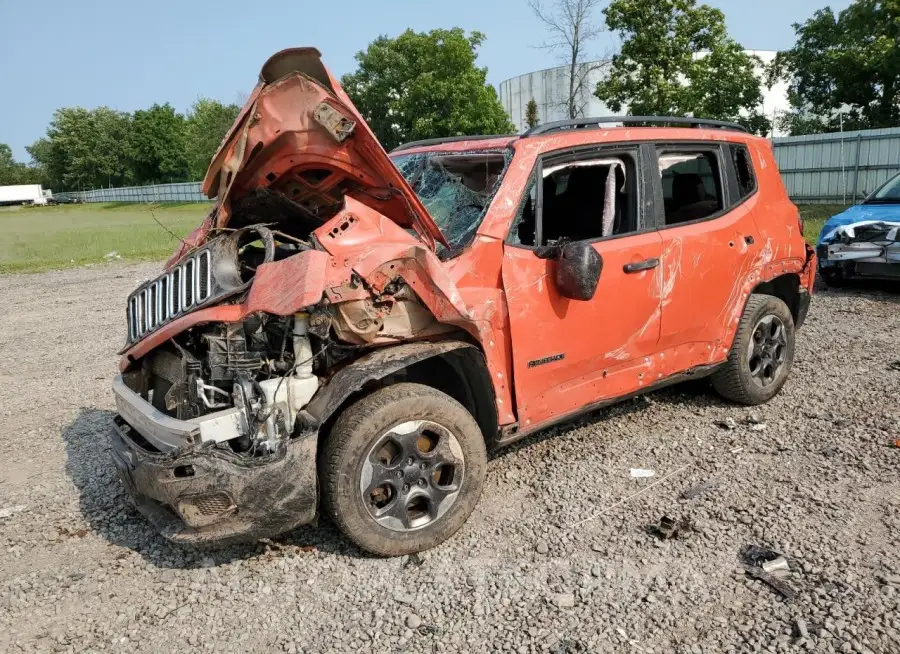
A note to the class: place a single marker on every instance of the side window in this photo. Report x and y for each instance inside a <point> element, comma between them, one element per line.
<point>743,168</point>
<point>525,223</point>
<point>583,199</point>
<point>691,183</point>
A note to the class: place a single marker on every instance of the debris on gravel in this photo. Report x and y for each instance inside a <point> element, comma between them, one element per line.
<point>555,557</point>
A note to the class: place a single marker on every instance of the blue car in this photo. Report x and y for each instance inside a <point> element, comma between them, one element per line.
<point>864,241</point>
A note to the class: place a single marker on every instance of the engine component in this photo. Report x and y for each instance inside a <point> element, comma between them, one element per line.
<point>228,354</point>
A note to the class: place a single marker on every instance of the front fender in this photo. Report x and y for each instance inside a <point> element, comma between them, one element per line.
<point>370,367</point>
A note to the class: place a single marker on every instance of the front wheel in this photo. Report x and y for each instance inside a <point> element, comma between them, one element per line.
<point>761,355</point>
<point>402,469</point>
<point>833,277</point>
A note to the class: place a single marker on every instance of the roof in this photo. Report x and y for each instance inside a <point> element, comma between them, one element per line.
<point>568,126</point>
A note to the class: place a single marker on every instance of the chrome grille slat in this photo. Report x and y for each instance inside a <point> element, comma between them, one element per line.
<point>174,279</point>
<point>187,284</point>
<point>185,287</point>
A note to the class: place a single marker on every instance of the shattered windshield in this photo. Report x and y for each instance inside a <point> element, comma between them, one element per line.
<point>456,188</point>
<point>887,194</point>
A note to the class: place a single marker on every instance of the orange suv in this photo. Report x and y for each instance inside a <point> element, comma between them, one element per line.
<point>354,330</point>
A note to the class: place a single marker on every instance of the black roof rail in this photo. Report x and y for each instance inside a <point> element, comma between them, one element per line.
<point>451,139</point>
<point>595,123</point>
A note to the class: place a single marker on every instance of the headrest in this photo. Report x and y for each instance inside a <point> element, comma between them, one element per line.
<point>687,188</point>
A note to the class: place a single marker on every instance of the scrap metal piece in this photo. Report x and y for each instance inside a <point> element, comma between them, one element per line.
<point>777,566</point>
<point>669,528</point>
<point>755,556</point>
<point>779,585</point>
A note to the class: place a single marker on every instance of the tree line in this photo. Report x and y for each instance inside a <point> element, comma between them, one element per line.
<point>676,58</point>
<point>93,148</point>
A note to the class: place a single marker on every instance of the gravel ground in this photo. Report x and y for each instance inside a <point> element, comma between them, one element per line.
<point>553,559</point>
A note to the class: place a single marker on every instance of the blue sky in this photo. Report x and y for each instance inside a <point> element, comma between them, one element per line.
<point>128,55</point>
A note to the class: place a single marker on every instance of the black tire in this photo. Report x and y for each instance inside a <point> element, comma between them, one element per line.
<point>736,380</point>
<point>833,277</point>
<point>350,445</point>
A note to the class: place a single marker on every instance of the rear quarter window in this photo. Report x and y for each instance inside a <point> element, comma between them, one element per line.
<point>743,168</point>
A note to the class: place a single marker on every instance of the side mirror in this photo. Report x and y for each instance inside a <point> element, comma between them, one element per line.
<point>578,270</point>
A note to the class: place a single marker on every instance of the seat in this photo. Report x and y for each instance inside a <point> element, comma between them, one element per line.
<point>689,199</point>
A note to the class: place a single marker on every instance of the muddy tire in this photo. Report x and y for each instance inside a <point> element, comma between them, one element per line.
<point>402,469</point>
<point>761,355</point>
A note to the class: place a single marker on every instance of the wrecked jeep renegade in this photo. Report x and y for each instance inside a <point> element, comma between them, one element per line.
<point>353,330</point>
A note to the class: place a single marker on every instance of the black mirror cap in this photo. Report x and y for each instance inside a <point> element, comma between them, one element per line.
<point>578,271</point>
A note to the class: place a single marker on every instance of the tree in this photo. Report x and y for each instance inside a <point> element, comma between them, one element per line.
<point>847,63</point>
<point>156,148</point>
<point>14,172</point>
<point>572,28</point>
<point>84,149</point>
<point>677,59</point>
<point>531,114</point>
<point>425,85</point>
<point>207,123</point>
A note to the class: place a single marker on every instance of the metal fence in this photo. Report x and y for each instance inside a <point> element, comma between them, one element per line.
<point>184,192</point>
<point>837,168</point>
<point>817,169</point>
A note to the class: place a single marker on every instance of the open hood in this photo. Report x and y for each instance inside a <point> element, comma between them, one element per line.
<point>299,142</point>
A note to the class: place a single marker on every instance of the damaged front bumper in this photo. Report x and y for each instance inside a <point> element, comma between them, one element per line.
<point>862,250</point>
<point>194,492</point>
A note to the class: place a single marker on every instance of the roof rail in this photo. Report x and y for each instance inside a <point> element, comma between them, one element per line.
<point>451,139</point>
<point>595,123</point>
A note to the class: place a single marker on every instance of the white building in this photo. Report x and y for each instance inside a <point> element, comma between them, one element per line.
<point>549,89</point>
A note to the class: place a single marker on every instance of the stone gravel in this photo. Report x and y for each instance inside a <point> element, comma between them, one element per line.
<point>557,557</point>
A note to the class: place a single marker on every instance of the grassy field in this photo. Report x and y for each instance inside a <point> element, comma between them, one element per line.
<point>43,238</point>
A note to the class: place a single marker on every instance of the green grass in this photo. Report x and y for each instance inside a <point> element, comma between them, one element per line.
<point>44,238</point>
<point>814,217</point>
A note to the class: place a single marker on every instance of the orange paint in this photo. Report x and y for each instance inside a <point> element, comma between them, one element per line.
<point>548,356</point>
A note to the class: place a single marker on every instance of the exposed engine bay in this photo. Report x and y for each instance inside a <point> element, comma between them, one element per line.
<point>245,383</point>
<point>256,375</point>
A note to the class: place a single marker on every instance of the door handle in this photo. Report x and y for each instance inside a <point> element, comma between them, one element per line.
<point>647,264</point>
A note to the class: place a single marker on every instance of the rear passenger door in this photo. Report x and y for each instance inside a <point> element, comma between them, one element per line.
<point>709,243</point>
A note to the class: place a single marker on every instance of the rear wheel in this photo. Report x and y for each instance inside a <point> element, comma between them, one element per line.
<point>761,355</point>
<point>402,469</point>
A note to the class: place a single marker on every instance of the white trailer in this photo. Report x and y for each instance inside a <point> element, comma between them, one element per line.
<point>22,194</point>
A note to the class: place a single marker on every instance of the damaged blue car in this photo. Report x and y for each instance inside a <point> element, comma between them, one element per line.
<point>864,241</point>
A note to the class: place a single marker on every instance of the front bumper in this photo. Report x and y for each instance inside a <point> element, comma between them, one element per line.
<point>861,259</point>
<point>199,493</point>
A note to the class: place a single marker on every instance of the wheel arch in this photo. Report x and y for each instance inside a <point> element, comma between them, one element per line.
<point>787,288</point>
<point>455,367</point>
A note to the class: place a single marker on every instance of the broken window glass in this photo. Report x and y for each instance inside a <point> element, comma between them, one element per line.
<point>456,189</point>
<point>744,170</point>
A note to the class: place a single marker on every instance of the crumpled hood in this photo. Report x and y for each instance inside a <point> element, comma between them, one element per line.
<point>889,213</point>
<point>300,136</point>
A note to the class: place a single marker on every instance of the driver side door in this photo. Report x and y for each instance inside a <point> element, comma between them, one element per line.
<point>571,354</point>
